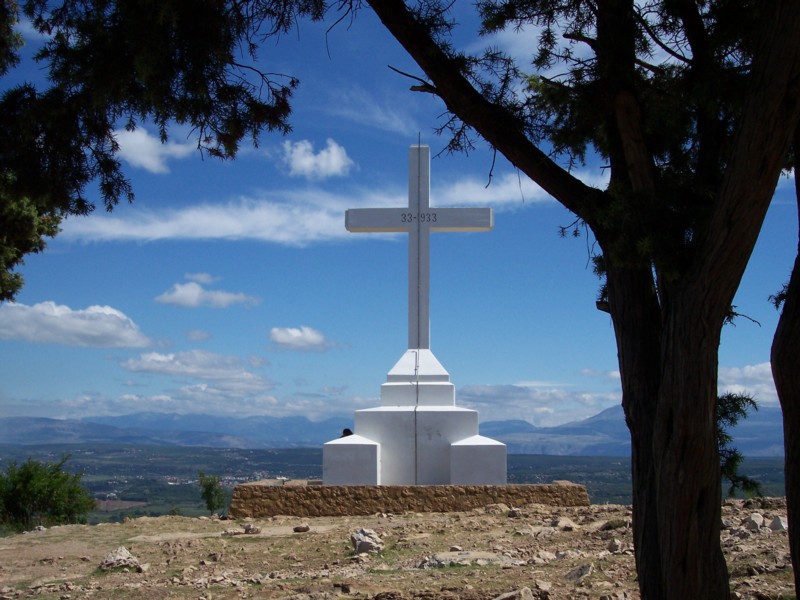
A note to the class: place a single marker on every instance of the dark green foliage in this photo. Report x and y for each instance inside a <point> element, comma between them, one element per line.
<point>730,408</point>
<point>212,493</point>
<point>113,64</point>
<point>778,299</point>
<point>685,64</point>
<point>22,230</point>
<point>10,41</point>
<point>38,493</point>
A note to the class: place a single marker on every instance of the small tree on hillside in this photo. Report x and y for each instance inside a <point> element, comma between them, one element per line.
<point>39,493</point>
<point>212,492</point>
<point>730,408</point>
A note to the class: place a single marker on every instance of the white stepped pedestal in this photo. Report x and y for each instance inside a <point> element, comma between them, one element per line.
<point>418,379</point>
<point>417,436</point>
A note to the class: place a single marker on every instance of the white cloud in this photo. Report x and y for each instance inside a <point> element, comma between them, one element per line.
<point>203,383</point>
<point>219,375</point>
<point>332,161</point>
<point>543,404</point>
<point>191,399</point>
<point>520,44</point>
<point>217,384</point>
<point>256,361</point>
<point>294,217</point>
<point>602,375</point>
<point>547,404</point>
<point>360,106</point>
<point>192,295</point>
<point>505,190</point>
<point>300,338</point>
<point>198,335</point>
<point>750,379</point>
<point>509,188</point>
<point>147,152</point>
<point>51,323</point>
<point>207,398</point>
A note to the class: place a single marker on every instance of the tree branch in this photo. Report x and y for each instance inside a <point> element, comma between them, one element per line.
<point>423,86</point>
<point>649,30</point>
<point>493,122</point>
<point>770,114</point>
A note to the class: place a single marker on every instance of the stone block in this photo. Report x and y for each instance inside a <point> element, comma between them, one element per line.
<point>478,460</point>
<point>353,460</point>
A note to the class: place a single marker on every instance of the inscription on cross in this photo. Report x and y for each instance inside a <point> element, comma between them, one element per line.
<point>418,219</point>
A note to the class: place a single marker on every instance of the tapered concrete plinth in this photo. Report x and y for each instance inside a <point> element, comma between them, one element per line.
<point>417,436</point>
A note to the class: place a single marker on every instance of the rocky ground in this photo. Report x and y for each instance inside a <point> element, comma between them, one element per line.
<point>494,552</point>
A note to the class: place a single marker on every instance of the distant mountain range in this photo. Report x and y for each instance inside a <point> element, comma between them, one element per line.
<point>604,434</point>
<point>169,429</point>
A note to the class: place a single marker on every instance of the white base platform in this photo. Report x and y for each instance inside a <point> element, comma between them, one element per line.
<point>417,437</point>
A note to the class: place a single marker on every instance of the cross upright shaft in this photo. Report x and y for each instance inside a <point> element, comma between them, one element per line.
<point>419,219</point>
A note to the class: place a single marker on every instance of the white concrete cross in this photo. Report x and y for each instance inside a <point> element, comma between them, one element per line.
<point>418,219</point>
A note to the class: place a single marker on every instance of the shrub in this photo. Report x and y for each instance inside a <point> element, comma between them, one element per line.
<point>212,492</point>
<point>38,493</point>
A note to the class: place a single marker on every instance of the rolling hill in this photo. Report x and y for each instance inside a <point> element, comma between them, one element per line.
<point>604,434</point>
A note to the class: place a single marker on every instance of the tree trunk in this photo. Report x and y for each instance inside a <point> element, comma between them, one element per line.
<point>785,357</point>
<point>669,398</point>
<point>786,371</point>
<point>686,454</point>
<point>637,326</point>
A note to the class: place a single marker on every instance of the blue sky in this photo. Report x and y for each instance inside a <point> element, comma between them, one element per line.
<point>233,287</point>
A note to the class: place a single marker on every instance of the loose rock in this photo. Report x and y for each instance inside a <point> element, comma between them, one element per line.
<point>450,559</point>
<point>754,522</point>
<point>366,540</point>
<point>565,524</point>
<point>779,523</point>
<point>520,594</point>
<point>615,546</point>
<point>580,573</point>
<point>120,558</point>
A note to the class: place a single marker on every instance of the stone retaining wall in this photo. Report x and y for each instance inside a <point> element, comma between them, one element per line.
<point>259,499</point>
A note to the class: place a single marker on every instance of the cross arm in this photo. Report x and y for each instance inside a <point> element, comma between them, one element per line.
<point>402,219</point>
<point>377,219</point>
<point>461,219</point>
